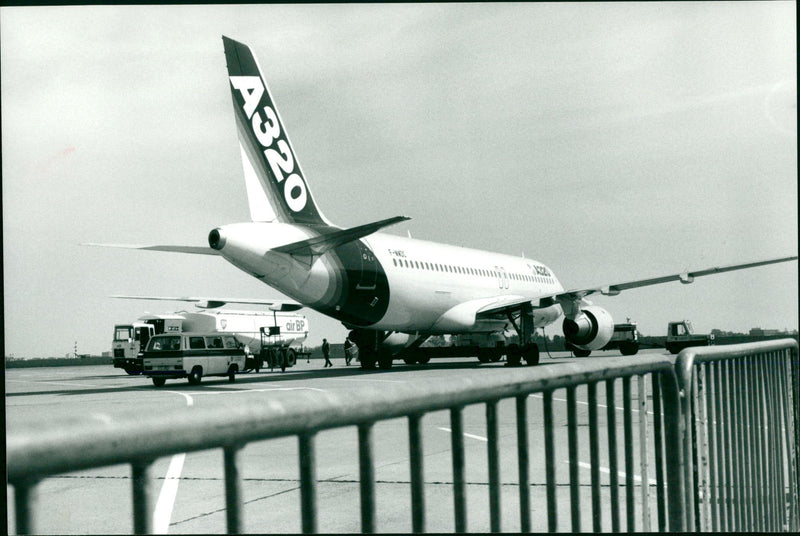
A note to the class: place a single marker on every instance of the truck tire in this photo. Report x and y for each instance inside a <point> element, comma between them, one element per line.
<point>159,382</point>
<point>196,375</point>
<point>232,372</point>
<point>291,357</point>
<point>673,348</point>
<point>628,348</point>
<point>580,352</point>
<point>483,355</point>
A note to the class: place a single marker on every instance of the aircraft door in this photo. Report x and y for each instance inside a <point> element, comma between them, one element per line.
<point>369,268</point>
<point>502,277</point>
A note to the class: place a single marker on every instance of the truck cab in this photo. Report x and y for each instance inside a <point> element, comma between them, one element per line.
<point>128,344</point>
<point>680,335</point>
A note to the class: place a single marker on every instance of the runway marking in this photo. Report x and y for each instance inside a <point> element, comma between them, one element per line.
<point>261,390</point>
<point>56,383</point>
<point>606,470</point>
<point>189,399</point>
<point>479,438</point>
<point>169,489</point>
<point>166,499</point>
<point>581,402</point>
<point>365,380</point>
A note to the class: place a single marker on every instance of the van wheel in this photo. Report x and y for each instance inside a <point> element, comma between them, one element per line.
<point>232,373</point>
<point>159,382</point>
<point>195,375</point>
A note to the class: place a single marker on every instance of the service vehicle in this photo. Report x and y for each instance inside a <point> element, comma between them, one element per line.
<point>680,335</point>
<point>625,339</point>
<point>128,344</point>
<point>192,356</point>
<point>289,331</point>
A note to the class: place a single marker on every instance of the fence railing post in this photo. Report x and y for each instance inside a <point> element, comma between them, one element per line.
<point>674,445</point>
<point>233,490</point>
<point>493,452</point>
<point>25,494</point>
<point>308,483</point>
<point>523,465</point>
<point>142,500</point>
<point>366,465</point>
<point>417,475</point>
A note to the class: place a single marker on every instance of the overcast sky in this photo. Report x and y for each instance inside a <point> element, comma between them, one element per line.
<point>610,141</point>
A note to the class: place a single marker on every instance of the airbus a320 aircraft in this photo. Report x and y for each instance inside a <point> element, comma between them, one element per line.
<point>391,292</point>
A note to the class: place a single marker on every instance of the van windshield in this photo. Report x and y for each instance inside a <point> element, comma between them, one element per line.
<point>164,344</point>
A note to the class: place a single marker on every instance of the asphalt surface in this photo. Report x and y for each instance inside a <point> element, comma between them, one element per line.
<point>189,489</point>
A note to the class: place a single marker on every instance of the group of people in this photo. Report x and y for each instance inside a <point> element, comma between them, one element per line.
<point>350,352</point>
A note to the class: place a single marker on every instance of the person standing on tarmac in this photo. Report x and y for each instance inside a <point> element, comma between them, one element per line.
<point>326,350</point>
<point>348,350</point>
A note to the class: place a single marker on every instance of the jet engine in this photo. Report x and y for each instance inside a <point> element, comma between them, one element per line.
<point>591,329</point>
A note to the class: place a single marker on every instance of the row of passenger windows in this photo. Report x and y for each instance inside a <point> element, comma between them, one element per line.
<point>434,267</point>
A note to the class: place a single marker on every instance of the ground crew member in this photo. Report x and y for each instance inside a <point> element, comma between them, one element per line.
<point>326,350</point>
<point>348,350</point>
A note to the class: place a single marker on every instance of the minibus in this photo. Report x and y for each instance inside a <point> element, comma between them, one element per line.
<point>192,356</point>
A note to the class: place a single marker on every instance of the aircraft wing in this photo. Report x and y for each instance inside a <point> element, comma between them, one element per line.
<point>500,306</point>
<point>211,303</point>
<point>196,250</point>
<point>685,278</point>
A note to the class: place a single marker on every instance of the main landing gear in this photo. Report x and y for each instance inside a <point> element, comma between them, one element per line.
<point>372,353</point>
<point>527,350</point>
<point>369,352</point>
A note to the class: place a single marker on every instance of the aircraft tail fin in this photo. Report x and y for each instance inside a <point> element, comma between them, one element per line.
<point>276,186</point>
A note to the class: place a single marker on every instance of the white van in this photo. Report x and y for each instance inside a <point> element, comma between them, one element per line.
<point>192,355</point>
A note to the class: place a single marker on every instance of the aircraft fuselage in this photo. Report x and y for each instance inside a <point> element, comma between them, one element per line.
<point>387,282</point>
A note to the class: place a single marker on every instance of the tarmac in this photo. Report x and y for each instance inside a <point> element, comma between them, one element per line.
<point>189,488</point>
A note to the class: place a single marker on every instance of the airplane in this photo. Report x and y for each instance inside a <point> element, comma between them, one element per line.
<point>391,292</point>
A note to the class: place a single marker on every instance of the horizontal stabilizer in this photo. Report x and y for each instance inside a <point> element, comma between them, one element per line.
<point>307,250</point>
<point>211,303</point>
<point>195,250</point>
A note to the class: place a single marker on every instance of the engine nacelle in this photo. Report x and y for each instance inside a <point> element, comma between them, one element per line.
<point>591,329</point>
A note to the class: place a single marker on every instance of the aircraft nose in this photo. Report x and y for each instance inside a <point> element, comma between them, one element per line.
<point>216,239</point>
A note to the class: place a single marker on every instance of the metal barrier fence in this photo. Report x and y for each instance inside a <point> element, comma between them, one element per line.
<point>741,421</point>
<point>36,454</point>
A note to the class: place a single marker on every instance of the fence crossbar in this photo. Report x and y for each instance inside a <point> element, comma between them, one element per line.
<point>82,443</point>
